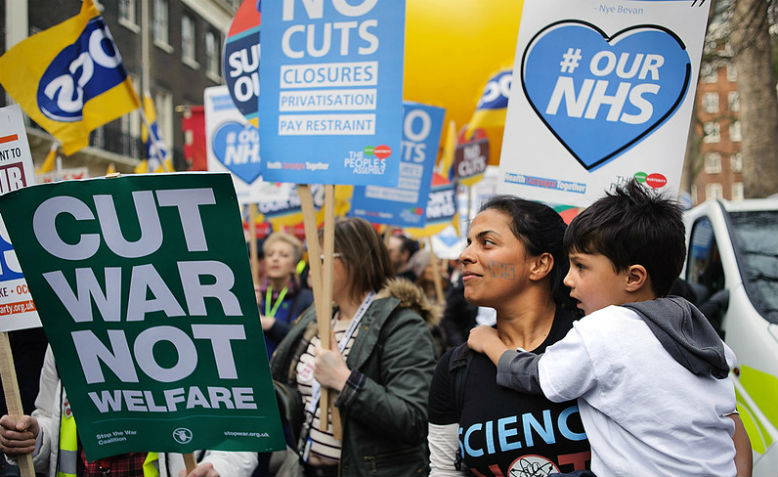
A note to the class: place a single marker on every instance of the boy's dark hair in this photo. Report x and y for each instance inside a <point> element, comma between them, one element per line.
<point>633,226</point>
<point>540,228</point>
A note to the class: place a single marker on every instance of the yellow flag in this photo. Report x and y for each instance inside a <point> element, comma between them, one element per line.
<point>70,78</point>
<point>142,168</point>
<point>157,159</point>
<point>449,148</point>
<point>50,162</point>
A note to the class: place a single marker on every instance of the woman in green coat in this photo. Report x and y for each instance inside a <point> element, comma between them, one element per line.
<point>380,366</point>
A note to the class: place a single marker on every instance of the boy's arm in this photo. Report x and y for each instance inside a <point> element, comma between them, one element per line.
<point>515,369</point>
<point>744,459</point>
<point>518,369</point>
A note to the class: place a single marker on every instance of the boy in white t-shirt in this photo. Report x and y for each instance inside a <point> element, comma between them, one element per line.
<point>649,372</point>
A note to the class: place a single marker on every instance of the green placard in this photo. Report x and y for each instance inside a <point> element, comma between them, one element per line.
<point>143,286</point>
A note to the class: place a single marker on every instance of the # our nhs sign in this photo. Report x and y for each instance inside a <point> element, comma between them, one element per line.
<point>602,93</point>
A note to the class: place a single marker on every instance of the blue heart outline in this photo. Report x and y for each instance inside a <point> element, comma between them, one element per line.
<point>248,173</point>
<point>608,157</point>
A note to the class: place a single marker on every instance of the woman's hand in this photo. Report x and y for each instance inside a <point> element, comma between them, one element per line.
<point>330,369</point>
<point>267,322</point>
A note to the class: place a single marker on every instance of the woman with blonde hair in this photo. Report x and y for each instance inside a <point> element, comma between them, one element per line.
<point>281,298</point>
<point>380,366</point>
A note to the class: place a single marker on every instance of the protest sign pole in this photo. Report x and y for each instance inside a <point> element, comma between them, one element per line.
<point>253,252</point>
<point>321,305</point>
<point>388,231</point>
<point>436,273</point>
<point>469,202</point>
<point>189,462</point>
<point>12,398</point>
<point>329,251</point>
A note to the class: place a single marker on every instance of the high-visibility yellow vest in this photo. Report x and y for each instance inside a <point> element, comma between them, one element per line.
<point>67,462</point>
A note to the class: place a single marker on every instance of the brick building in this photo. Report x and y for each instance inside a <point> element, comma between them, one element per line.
<point>718,173</point>
<point>186,38</point>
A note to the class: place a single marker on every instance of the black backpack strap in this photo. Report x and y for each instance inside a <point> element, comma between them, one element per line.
<point>459,367</point>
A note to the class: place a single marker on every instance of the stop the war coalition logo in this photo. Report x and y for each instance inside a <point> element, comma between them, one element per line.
<point>627,84</point>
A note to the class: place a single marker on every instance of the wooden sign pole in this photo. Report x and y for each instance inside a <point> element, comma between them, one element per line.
<point>436,273</point>
<point>189,462</point>
<point>12,398</point>
<point>329,251</point>
<point>321,305</point>
<point>253,252</point>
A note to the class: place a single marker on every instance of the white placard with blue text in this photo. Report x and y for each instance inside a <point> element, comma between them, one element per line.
<point>232,145</point>
<point>404,205</point>
<point>17,310</point>
<point>602,92</point>
<point>330,103</point>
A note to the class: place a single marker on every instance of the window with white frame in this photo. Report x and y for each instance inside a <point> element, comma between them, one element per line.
<point>161,22</point>
<point>713,191</point>
<point>712,132</point>
<point>735,133</point>
<point>733,99</point>
<point>710,102</point>
<point>708,73</point>
<point>737,191</point>
<point>188,41</point>
<point>212,65</point>
<point>127,14</point>
<point>731,72</point>
<point>736,162</point>
<point>712,162</point>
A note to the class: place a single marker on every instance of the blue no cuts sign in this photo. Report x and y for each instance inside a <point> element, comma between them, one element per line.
<point>331,103</point>
<point>405,204</point>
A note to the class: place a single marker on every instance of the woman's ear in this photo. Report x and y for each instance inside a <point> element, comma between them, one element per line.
<point>637,278</point>
<point>541,266</point>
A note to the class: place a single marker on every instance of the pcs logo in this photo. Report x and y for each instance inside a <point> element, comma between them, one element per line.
<point>81,71</point>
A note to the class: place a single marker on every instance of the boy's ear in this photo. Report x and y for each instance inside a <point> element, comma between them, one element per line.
<point>541,266</point>
<point>637,277</point>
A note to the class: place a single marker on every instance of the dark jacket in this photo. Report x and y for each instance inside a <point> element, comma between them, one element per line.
<point>392,359</point>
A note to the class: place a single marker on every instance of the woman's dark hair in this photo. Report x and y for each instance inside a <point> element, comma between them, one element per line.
<point>541,230</point>
<point>364,255</point>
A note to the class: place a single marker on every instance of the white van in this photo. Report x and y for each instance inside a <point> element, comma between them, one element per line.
<point>732,266</point>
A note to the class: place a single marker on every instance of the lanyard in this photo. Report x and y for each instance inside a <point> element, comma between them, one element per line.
<point>316,388</point>
<point>270,312</point>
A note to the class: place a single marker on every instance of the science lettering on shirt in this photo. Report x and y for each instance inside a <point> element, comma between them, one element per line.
<point>521,434</point>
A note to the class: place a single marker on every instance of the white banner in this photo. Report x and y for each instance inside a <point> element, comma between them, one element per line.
<point>602,92</point>
<point>17,310</point>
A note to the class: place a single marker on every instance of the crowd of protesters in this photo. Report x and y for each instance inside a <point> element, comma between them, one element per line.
<point>410,396</point>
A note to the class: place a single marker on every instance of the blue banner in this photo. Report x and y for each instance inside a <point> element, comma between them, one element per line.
<point>404,205</point>
<point>330,106</point>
